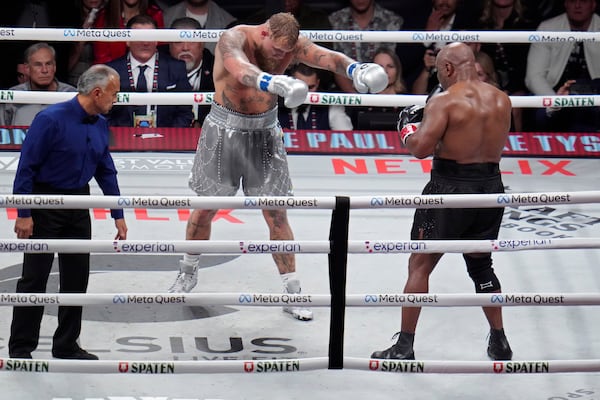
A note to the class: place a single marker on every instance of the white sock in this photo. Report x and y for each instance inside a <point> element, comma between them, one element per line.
<point>191,259</point>
<point>287,277</point>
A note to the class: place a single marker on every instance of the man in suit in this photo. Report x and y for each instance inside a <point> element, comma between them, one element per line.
<point>307,116</point>
<point>144,69</point>
<point>199,63</point>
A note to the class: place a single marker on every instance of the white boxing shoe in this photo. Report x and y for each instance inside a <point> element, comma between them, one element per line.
<point>300,313</point>
<point>187,278</point>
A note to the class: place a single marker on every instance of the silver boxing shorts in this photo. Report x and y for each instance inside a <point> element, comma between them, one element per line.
<point>234,148</point>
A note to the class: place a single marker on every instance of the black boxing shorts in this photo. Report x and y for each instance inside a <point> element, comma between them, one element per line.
<point>449,177</point>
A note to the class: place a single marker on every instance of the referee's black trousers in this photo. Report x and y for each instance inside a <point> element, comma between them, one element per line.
<point>73,272</point>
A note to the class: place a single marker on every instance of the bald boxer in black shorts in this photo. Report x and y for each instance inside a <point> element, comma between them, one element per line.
<point>465,128</point>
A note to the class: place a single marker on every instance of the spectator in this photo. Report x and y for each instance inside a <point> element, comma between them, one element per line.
<point>308,116</point>
<point>484,65</point>
<point>81,56</point>
<point>508,15</point>
<point>208,13</point>
<point>144,69</point>
<point>390,62</point>
<point>553,67</point>
<point>382,117</point>
<point>116,15</point>
<point>40,60</point>
<point>362,15</point>
<point>199,63</point>
<point>34,14</point>
<point>418,59</point>
<point>22,73</point>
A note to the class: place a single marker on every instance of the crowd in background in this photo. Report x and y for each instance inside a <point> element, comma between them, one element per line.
<point>518,69</point>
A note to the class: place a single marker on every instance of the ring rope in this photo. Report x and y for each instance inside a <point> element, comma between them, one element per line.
<point>301,202</point>
<point>312,300</point>
<point>366,246</point>
<point>317,98</point>
<point>306,364</point>
<point>296,365</point>
<point>213,35</point>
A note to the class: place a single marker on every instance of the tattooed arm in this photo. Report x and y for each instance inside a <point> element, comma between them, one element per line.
<point>235,61</point>
<point>320,57</point>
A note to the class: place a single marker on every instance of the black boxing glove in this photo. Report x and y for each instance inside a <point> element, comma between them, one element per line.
<point>409,120</point>
<point>437,89</point>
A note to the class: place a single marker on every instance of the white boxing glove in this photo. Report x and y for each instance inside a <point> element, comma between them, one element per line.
<point>367,77</point>
<point>293,90</point>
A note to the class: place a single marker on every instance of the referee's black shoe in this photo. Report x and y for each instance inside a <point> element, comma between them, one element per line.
<point>79,354</point>
<point>498,347</point>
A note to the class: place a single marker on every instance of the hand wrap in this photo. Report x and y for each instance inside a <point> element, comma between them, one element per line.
<point>293,90</point>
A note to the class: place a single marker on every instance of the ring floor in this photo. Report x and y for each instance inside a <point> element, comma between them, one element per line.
<point>222,332</point>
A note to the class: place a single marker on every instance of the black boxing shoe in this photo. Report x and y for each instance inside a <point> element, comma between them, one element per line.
<point>402,350</point>
<point>498,347</point>
<point>79,354</point>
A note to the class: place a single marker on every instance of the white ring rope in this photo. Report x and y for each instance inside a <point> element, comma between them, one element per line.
<point>363,246</point>
<point>212,35</point>
<point>301,202</point>
<point>369,246</point>
<point>163,367</point>
<point>312,300</point>
<point>472,367</point>
<point>296,365</point>
<point>318,98</point>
